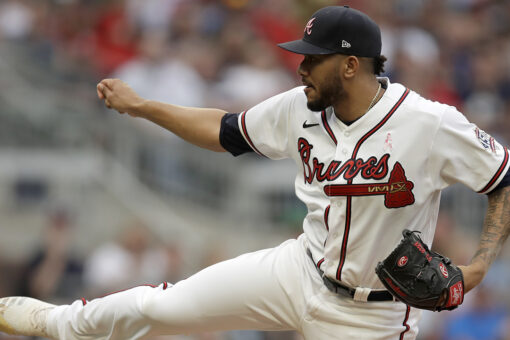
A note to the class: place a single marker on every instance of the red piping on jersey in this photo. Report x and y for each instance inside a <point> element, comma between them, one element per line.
<point>326,217</point>
<point>83,301</point>
<point>496,176</point>
<point>320,262</point>
<point>343,251</point>
<point>327,127</point>
<point>245,131</point>
<point>407,327</point>
<point>381,123</point>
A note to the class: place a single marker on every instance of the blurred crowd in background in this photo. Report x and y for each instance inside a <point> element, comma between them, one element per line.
<point>222,53</point>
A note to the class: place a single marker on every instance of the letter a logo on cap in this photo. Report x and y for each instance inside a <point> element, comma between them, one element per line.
<point>308,27</point>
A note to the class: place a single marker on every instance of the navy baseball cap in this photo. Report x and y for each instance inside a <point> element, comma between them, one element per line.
<point>338,29</point>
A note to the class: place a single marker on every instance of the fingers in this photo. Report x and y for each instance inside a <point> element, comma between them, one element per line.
<point>108,105</point>
<point>104,87</point>
<point>102,95</point>
<point>99,89</point>
<point>105,91</point>
<point>108,82</point>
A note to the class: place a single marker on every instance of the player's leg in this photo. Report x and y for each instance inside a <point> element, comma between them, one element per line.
<point>260,290</point>
<point>330,315</point>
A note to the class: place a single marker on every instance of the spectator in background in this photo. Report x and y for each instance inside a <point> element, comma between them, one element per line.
<point>114,39</point>
<point>149,15</point>
<point>175,265</point>
<point>16,20</point>
<point>8,279</point>
<point>277,21</point>
<point>159,74</point>
<point>256,77</point>
<point>53,272</point>
<point>485,105</point>
<point>416,50</point>
<point>162,73</point>
<point>134,259</point>
<point>193,51</point>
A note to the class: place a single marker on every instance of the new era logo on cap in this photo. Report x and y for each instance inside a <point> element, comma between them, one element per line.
<point>345,44</point>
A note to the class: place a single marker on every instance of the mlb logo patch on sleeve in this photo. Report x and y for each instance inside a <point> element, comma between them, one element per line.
<point>486,140</point>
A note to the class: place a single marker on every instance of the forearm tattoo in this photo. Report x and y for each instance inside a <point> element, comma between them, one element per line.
<point>496,227</point>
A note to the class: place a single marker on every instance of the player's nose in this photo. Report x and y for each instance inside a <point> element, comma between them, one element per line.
<point>302,70</point>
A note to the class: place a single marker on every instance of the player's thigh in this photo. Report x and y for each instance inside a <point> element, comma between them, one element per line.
<point>332,316</point>
<point>260,290</point>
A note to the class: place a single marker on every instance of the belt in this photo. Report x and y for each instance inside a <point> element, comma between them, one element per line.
<point>357,294</point>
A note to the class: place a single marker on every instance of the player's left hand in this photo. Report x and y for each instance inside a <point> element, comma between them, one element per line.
<point>421,278</point>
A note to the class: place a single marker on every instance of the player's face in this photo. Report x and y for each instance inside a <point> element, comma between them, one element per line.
<point>321,76</point>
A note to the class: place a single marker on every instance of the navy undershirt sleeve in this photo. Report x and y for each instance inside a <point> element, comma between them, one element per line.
<point>230,136</point>
<point>504,182</point>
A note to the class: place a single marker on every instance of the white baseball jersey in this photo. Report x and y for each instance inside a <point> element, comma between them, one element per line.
<point>365,182</point>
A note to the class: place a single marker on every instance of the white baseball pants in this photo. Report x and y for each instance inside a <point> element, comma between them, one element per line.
<point>271,289</point>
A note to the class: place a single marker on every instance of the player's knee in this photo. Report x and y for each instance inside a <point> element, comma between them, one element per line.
<point>155,302</point>
<point>169,306</point>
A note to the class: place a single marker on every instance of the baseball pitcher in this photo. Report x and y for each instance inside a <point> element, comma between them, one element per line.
<point>372,159</point>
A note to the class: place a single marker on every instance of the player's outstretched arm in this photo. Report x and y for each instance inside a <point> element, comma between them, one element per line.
<point>495,232</point>
<point>198,126</point>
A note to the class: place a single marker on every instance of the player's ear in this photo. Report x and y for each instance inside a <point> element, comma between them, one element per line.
<point>351,65</point>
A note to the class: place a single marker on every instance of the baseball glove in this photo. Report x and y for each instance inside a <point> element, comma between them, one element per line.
<point>421,278</point>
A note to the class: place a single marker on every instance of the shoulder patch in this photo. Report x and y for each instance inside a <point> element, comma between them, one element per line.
<point>486,140</point>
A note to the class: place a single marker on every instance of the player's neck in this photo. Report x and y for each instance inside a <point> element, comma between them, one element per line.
<point>353,105</point>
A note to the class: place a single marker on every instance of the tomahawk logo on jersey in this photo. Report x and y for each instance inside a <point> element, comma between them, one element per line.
<point>358,179</point>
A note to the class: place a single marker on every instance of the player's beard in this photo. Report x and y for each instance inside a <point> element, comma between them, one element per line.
<point>330,92</point>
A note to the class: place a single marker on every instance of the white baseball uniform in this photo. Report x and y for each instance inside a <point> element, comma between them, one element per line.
<point>362,183</point>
